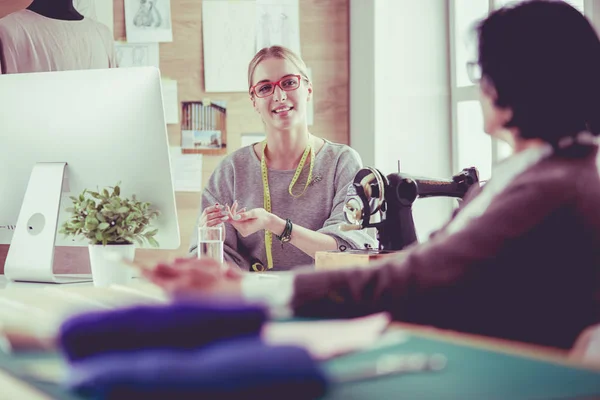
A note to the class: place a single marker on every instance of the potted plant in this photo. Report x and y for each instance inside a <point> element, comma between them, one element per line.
<point>112,224</point>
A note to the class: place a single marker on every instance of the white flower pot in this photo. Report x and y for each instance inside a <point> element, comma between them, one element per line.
<point>105,270</point>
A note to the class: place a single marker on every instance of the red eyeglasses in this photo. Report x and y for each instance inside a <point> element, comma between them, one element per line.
<point>287,83</point>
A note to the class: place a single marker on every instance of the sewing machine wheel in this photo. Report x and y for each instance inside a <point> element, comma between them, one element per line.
<point>365,197</point>
<point>353,211</point>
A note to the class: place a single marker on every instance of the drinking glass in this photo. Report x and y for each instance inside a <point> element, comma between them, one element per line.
<point>210,242</point>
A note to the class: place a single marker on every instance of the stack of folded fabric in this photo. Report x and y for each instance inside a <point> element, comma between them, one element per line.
<point>184,351</point>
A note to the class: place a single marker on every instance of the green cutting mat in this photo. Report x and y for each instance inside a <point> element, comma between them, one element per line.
<point>470,373</point>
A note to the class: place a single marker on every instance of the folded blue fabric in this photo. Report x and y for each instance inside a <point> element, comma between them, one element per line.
<point>175,326</point>
<point>234,369</point>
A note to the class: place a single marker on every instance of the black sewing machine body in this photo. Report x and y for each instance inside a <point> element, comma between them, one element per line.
<point>385,202</point>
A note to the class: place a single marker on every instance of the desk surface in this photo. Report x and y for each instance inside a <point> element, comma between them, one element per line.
<point>477,368</point>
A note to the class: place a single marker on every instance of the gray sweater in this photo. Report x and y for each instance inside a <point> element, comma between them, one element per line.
<point>320,209</point>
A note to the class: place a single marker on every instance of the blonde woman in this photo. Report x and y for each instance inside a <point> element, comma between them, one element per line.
<point>291,186</point>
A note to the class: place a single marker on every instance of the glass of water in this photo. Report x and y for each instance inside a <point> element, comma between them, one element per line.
<point>210,242</point>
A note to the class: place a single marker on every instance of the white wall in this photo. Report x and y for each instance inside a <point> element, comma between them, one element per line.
<point>362,76</point>
<point>400,93</point>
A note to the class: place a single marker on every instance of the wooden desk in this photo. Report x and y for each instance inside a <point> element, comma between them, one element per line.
<point>67,260</point>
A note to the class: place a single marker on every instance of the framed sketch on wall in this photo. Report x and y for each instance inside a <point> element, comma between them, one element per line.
<point>148,21</point>
<point>278,23</point>
<point>228,34</point>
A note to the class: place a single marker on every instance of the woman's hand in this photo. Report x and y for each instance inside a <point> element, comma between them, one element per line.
<point>249,222</point>
<point>188,277</point>
<point>213,215</point>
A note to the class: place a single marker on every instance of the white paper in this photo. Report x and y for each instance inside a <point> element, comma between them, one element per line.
<point>170,101</point>
<point>328,338</point>
<point>186,170</point>
<point>251,138</point>
<point>278,23</point>
<point>137,55</point>
<point>148,21</point>
<point>228,33</point>
<point>98,10</point>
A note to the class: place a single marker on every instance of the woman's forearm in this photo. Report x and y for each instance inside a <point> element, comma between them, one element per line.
<point>304,239</point>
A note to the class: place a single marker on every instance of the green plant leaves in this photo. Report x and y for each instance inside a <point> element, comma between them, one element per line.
<point>152,241</point>
<point>91,223</point>
<point>104,217</point>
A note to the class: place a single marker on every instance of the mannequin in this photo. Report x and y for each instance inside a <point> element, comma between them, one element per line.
<point>52,35</point>
<point>56,9</point>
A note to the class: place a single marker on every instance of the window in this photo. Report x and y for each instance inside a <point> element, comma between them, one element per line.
<point>467,12</point>
<point>470,145</point>
<point>473,148</point>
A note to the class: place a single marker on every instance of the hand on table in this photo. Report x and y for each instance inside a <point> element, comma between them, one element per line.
<point>188,277</point>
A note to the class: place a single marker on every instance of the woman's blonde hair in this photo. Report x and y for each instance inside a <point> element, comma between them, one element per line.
<point>280,52</point>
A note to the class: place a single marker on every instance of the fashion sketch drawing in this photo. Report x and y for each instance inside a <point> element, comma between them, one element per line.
<point>148,15</point>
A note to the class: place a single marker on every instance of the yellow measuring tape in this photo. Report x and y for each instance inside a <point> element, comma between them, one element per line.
<point>258,267</point>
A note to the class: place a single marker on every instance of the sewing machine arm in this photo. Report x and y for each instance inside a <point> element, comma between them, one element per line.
<point>391,198</point>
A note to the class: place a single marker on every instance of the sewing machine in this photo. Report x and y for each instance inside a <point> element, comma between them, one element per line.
<point>385,202</point>
<point>375,200</point>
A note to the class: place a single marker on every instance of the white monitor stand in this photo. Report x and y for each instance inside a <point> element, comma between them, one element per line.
<point>31,253</point>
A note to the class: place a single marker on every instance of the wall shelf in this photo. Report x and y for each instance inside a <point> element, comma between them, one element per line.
<point>203,127</point>
<point>209,152</point>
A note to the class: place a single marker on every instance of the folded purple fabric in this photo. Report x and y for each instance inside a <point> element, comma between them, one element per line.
<point>180,326</point>
<point>233,369</point>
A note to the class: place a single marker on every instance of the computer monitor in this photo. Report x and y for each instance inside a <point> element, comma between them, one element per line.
<point>63,132</point>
